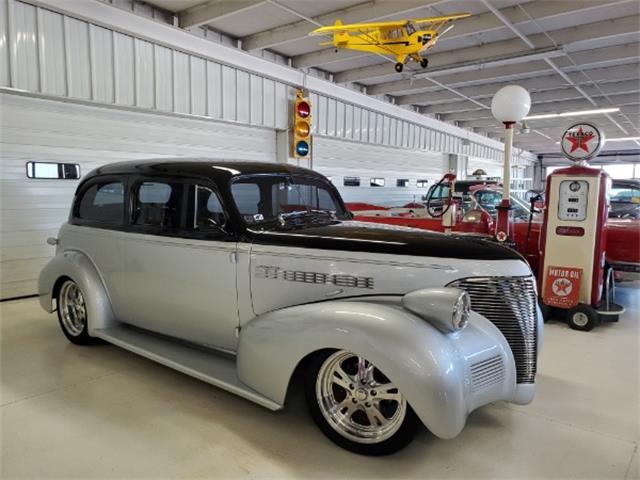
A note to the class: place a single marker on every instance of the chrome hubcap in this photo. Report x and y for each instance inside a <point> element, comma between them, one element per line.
<point>358,400</point>
<point>580,319</point>
<point>73,311</point>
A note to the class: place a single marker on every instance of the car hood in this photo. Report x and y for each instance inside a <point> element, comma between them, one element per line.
<point>386,239</point>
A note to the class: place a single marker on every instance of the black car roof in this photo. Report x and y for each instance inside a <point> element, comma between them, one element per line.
<point>202,167</point>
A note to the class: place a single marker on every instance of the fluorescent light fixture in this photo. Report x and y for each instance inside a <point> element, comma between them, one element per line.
<point>572,114</point>
<point>622,139</point>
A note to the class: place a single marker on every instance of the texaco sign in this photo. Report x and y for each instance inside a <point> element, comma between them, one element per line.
<point>581,142</point>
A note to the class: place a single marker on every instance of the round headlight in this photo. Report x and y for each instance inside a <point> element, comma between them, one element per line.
<point>461,309</point>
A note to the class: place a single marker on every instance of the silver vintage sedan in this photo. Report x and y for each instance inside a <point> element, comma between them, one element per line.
<point>241,273</point>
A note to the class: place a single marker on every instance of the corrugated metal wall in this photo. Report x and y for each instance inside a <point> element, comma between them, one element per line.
<point>338,159</point>
<point>54,131</point>
<point>59,55</point>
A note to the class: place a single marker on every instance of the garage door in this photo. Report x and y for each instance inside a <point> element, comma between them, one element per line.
<point>35,129</point>
<point>393,166</point>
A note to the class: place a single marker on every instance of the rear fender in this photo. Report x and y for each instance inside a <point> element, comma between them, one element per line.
<point>78,267</point>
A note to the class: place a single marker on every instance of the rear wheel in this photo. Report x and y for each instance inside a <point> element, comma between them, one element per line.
<point>399,67</point>
<point>424,63</point>
<point>582,317</point>
<point>72,314</point>
<point>357,406</point>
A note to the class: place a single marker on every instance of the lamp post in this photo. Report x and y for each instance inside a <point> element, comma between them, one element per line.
<point>509,105</point>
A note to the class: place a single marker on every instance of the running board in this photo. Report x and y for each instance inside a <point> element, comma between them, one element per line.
<point>213,368</point>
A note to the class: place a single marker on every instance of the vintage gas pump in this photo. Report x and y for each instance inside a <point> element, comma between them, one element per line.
<point>573,275</point>
<point>448,209</point>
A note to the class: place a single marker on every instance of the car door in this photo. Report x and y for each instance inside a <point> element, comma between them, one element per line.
<point>180,270</point>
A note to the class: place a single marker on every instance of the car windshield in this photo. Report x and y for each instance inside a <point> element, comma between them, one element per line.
<point>285,200</point>
<point>625,194</point>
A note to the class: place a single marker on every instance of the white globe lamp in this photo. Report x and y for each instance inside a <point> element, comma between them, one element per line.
<point>509,105</point>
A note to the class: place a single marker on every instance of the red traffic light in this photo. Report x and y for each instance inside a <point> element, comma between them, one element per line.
<point>303,109</point>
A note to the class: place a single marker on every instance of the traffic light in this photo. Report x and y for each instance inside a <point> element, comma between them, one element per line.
<point>301,144</point>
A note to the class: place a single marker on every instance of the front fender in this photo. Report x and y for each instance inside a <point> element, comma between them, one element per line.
<point>429,367</point>
<point>78,267</point>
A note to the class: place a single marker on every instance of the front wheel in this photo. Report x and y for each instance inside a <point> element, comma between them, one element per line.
<point>424,63</point>
<point>72,314</point>
<point>399,67</point>
<point>357,406</point>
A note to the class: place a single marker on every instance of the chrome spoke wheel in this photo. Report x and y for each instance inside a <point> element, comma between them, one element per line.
<point>358,400</point>
<point>73,311</point>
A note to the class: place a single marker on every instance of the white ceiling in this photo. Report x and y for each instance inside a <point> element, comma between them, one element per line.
<point>596,62</point>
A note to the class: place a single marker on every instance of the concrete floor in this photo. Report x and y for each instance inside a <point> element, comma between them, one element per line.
<point>100,411</point>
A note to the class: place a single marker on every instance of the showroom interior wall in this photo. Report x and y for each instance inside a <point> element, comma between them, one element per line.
<point>77,89</point>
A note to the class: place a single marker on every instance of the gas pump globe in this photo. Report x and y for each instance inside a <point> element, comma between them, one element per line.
<point>573,275</point>
<point>509,105</point>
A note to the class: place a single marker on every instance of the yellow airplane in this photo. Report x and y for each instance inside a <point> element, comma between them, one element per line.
<point>402,39</point>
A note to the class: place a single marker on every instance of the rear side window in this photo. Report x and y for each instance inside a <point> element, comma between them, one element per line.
<point>102,202</point>
<point>159,204</point>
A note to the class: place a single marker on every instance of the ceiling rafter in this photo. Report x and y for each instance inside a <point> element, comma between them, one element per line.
<point>214,10</point>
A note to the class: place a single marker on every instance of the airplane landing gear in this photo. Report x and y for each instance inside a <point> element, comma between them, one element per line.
<point>424,63</point>
<point>399,66</point>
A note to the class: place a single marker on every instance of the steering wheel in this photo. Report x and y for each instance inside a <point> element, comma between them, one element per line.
<point>430,210</point>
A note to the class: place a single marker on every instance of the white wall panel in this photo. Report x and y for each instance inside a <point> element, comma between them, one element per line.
<point>340,119</point>
<point>243,96</point>
<point>214,90</point>
<point>331,117</point>
<point>340,158</point>
<point>56,131</point>
<point>5,66</point>
<point>51,52</point>
<point>281,106</point>
<point>101,47</point>
<point>228,93</point>
<point>348,122</point>
<point>357,123</point>
<point>145,74</point>
<point>181,83</point>
<point>27,75</point>
<point>124,65</point>
<point>269,111</point>
<point>198,85</point>
<point>163,63</point>
<point>257,99</point>
<point>321,120</point>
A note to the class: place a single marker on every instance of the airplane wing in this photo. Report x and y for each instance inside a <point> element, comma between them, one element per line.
<point>442,19</point>
<point>357,27</point>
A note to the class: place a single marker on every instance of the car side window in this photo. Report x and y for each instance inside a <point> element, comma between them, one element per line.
<point>209,213</point>
<point>102,202</point>
<point>159,205</point>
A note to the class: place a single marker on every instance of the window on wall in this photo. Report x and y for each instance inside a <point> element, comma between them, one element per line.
<point>402,182</point>
<point>53,170</point>
<point>351,181</point>
<point>376,182</point>
<point>422,183</point>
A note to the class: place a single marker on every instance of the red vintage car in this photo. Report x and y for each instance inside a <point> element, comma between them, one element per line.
<point>623,235</point>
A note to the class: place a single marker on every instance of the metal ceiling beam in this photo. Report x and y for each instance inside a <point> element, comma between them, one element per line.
<point>587,59</point>
<point>532,46</point>
<point>474,25</point>
<point>535,84</point>
<point>601,30</point>
<point>367,11</point>
<point>214,10</point>
<point>480,117</point>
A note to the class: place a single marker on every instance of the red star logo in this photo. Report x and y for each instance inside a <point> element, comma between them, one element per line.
<point>562,286</point>
<point>579,140</point>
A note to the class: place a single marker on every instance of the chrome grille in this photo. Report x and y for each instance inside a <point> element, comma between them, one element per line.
<point>510,304</point>
<point>486,373</point>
